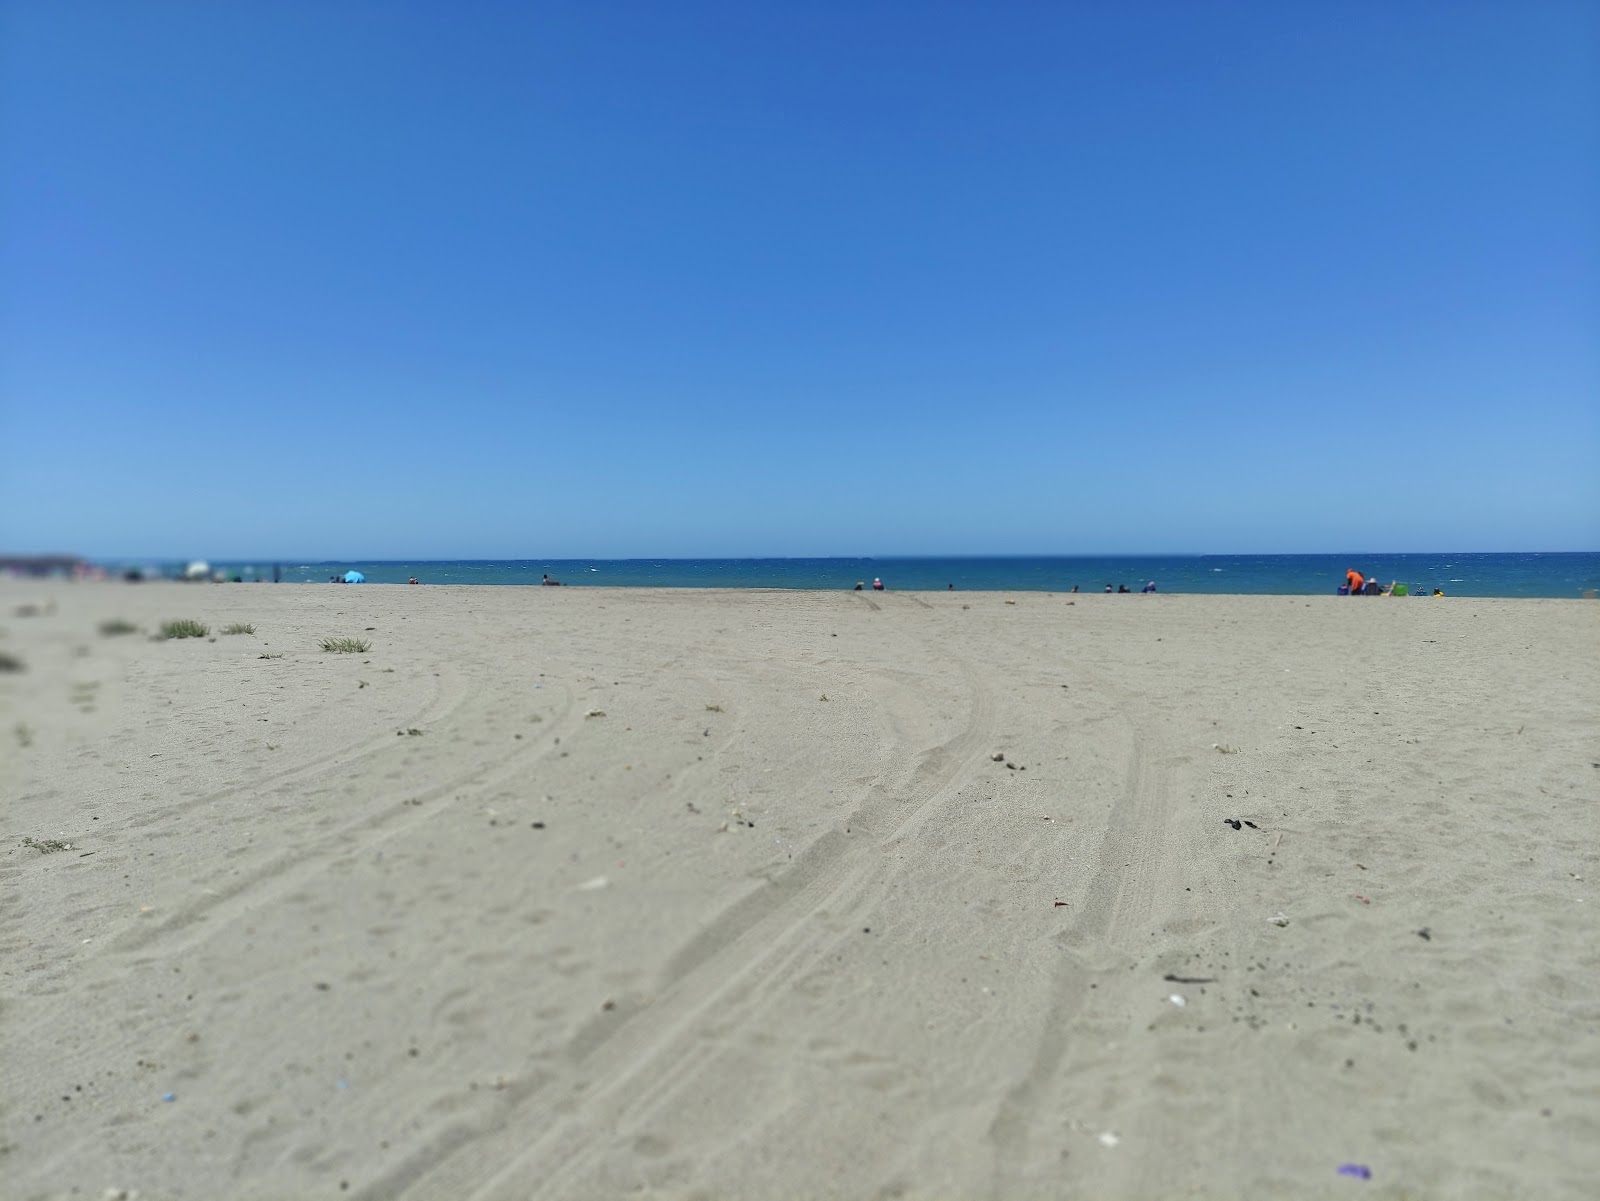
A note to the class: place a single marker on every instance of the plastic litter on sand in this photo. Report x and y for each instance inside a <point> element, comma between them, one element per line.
<point>1358,1170</point>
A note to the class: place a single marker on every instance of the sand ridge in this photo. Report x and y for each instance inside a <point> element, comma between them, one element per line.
<point>682,893</point>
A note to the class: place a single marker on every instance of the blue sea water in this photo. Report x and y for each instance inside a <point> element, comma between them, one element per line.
<point>1553,574</point>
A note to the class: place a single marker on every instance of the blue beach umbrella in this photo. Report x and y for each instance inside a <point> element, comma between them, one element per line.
<point>354,577</point>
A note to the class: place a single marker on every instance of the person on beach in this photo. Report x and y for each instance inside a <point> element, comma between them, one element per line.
<point>1124,588</point>
<point>1373,588</point>
<point>877,584</point>
<point>1109,588</point>
<point>1074,587</point>
<point>547,582</point>
<point>413,580</point>
<point>859,585</point>
<point>1150,587</point>
<point>1352,579</point>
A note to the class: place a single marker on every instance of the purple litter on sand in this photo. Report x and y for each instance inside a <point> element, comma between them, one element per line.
<point>1355,1169</point>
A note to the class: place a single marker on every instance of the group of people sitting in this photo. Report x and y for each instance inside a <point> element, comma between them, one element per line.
<point>1356,584</point>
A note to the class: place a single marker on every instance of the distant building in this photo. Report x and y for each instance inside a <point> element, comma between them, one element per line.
<point>40,566</point>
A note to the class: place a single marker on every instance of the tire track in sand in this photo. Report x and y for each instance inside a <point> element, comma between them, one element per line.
<point>1118,899</point>
<point>445,702</point>
<point>287,871</point>
<point>742,961</point>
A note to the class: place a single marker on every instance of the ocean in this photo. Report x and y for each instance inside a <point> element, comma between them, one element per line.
<point>1567,574</point>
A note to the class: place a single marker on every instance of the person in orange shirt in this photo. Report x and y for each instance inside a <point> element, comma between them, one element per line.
<point>1354,578</point>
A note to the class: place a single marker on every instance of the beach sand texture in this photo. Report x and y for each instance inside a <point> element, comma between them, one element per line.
<point>586,893</point>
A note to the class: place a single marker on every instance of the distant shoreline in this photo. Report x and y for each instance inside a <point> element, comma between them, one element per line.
<point>1509,574</point>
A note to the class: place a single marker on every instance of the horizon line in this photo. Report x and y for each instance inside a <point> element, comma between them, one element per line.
<point>129,559</point>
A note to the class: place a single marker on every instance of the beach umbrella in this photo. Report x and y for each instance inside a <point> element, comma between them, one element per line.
<point>354,577</point>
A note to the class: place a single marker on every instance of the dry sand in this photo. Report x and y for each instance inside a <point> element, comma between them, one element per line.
<point>583,893</point>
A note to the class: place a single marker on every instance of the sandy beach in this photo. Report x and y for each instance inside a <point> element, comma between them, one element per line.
<point>588,893</point>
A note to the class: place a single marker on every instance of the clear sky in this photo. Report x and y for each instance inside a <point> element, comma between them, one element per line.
<point>379,279</point>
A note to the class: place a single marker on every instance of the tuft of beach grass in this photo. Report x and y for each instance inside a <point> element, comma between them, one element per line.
<point>184,629</point>
<point>239,627</point>
<point>11,663</point>
<point>117,626</point>
<point>347,646</point>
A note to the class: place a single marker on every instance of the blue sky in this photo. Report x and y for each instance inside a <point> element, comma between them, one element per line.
<point>611,279</point>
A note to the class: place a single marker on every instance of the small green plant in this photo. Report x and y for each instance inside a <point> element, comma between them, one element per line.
<point>184,629</point>
<point>24,734</point>
<point>713,708</point>
<point>117,626</point>
<point>47,846</point>
<point>239,627</point>
<point>346,646</point>
<point>11,663</point>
